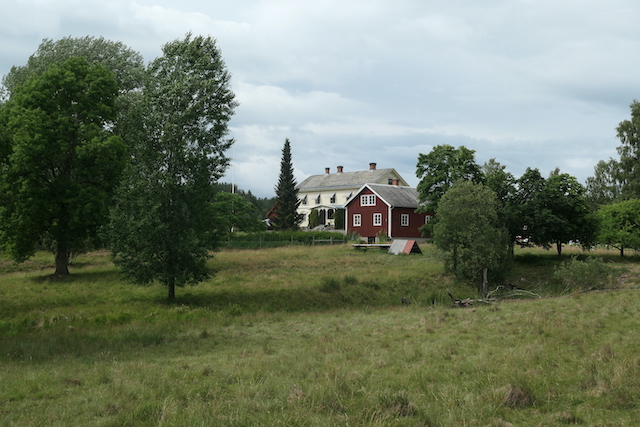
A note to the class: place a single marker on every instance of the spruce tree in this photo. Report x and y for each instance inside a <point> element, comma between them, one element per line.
<point>287,202</point>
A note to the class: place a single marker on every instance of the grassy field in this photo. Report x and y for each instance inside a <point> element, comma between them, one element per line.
<point>315,336</point>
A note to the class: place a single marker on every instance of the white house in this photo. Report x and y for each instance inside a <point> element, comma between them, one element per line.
<point>331,191</point>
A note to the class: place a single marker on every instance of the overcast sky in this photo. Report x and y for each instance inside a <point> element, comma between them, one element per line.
<point>531,83</point>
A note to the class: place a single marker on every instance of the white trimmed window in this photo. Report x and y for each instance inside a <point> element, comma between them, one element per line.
<point>404,220</point>
<point>304,201</point>
<point>377,219</point>
<point>357,220</point>
<point>368,200</point>
<point>427,218</point>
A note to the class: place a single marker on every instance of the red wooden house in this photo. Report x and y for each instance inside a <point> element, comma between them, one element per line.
<point>378,210</point>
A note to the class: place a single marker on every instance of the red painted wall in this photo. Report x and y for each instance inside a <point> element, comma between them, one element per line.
<point>415,222</point>
<point>367,228</point>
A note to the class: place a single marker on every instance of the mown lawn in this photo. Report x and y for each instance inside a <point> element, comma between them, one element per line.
<point>315,336</point>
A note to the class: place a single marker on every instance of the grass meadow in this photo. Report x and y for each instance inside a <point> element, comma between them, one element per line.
<point>316,336</point>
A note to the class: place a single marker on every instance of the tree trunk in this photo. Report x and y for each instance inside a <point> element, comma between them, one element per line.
<point>485,282</point>
<point>62,261</point>
<point>622,251</point>
<point>172,290</point>
<point>559,246</point>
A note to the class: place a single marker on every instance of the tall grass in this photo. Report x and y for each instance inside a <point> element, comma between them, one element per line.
<point>313,337</point>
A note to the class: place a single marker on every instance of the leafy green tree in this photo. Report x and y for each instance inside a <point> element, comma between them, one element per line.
<point>287,202</point>
<point>126,64</point>
<point>440,170</point>
<point>233,213</point>
<point>525,205</point>
<point>470,233</point>
<point>59,161</point>
<point>510,206</point>
<point>620,225</point>
<point>261,205</point>
<point>629,166</point>
<point>560,214</point>
<point>604,187</point>
<point>161,226</point>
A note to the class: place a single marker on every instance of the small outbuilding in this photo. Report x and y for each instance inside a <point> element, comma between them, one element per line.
<point>403,246</point>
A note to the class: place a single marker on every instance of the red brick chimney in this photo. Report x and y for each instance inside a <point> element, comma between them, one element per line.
<point>339,169</point>
<point>372,166</point>
<point>326,171</point>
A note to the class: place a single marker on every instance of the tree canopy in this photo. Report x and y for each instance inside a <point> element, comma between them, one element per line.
<point>234,213</point>
<point>620,225</point>
<point>162,226</point>
<point>604,188</point>
<point>440,170</point>
<point>126,64</point>
<point>628,132</point>
<point>59,161</point>
<point>558,213</point>
<point>286,216</point>
<point>470,233</point>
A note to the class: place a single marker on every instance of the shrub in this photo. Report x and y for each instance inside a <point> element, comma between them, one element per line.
<point>329,285</point>
<point>588,274</point>
<point>314,218</point>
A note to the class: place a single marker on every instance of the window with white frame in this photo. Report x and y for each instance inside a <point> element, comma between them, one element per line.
<point>304,200</point>
<point>368,200</point>
<point>318,199</point>
<point>377,219</point>
<point>427,218</point>
<point>404,220</point>
<point>333,198</point>
<point>357,220</point>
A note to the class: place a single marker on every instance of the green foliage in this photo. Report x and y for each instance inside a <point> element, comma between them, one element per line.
<point>126,64</point>
<point>591,273</point>
<point>286,216</point>
<point>329,285</point>
<point>162,227</point>
<point>314,218</point>
<point>339,219</point>
<point>554,211</point>
<point>60,163</point>
<point>469,232</point>
<point>261,204</point>
<point>604,188</point>
<point>511,202</point>
<point>628,132</point>
<point>620,225</point>
<point>440,170</point>
<point>562,214</point>
<point>233,212</point>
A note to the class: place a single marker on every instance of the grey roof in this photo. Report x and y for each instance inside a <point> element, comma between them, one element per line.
<point>349,179</point>
<point>396,196</point>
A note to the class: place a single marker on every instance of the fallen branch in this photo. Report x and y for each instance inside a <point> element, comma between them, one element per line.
<point>513,293</point>
<point>467,302</point>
